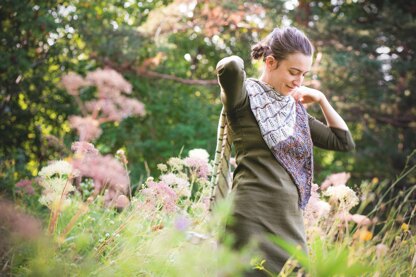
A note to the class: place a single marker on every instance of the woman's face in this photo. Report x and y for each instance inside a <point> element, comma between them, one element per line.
<point>287,75</point>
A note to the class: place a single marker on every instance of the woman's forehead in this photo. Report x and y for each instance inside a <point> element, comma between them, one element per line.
<point>299,61</point>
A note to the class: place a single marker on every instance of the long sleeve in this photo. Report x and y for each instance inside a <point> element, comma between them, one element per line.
<point>330,138</point>
<point>231,75</point>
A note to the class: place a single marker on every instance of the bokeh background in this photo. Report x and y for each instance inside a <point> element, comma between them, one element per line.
<point>364,63</point>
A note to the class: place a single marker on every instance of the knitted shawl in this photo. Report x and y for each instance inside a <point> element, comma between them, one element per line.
<point>283,123</point>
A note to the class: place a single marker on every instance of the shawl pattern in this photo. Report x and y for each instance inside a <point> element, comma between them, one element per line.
<point>284,126</point>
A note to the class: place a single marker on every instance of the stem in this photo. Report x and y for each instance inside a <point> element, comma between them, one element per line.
<point>82,210</point>
<point>56,212</point>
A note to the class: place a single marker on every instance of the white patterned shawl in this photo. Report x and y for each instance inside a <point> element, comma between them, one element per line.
<point>283,123</point>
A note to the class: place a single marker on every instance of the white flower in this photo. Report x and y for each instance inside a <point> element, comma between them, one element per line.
<point>175,163</point>
<point>180,185</point>
<point>162,167</point>
<point>199,153</point>
<point>171,179</point>
<point>57,167</point>
<point>322,208</point>
<point>381,250</point>
<point>53,190</point>
<point>361,219</point>
<point>346,196</point>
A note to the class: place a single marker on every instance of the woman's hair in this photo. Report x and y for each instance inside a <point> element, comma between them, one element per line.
<point>282,42</point>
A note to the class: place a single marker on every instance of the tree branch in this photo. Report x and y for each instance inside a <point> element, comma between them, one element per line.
<point>153,74</point>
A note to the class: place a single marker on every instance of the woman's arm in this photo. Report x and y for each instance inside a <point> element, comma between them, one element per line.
<point>231,75</point>
<point>333,136</point>
<point>309,95</point>
<point>330,138</point>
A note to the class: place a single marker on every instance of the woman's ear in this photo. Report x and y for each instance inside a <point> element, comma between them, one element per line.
<point>271,63</point>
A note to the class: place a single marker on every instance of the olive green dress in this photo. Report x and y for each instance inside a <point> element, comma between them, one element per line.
<point>266,198</point>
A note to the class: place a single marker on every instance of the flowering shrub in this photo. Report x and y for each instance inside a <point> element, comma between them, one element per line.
<point>110,104</point>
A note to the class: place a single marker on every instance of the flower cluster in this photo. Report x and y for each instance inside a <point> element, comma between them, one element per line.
<point>88,127</point>
<point>110,105</point>
<point>341,199</point>
<point>184,183</point>
<point>15,221</point>
<point>198,162</point>
<point>25,186</point>
<point>56,180</point>
<point>159,195</point>
<point>107,172</point>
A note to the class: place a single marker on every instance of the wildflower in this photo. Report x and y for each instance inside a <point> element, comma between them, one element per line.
<point>199,153</point>
<point>122,201</point>
<point>88,128</point>
<point>26,186</point>
<point>109,82</point>
<point>345,196</point>
<point>404,227</point>
<point>53,190</point>
<point>381,250</point>
<point>83,147</point>
<point>176,163</point>
<point>160,194</point>
<point>72,82</point>
<point>162,167</point>
<point>60,168</point>
<point>363,234</point>
<point>180,185</point>
<point>344,216</point>
<point>116,109</point>
<point>316,208</point>
<point>105,171</point>
<point>171,180</point>
<point>129,106</point>
<point>361,219</point>
<point>122,156</point>
<point>16,222</point>
<point>337,179</point>
<point>182,223</point>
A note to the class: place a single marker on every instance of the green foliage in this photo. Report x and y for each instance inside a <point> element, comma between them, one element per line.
<point>367,71</point>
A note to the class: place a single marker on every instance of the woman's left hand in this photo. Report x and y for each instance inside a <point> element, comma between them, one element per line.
<point>308,95</point>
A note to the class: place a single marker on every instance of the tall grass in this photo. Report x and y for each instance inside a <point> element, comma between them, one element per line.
<point>166,230</point>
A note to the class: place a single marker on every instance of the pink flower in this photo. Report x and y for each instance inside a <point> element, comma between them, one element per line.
<point>72,82</point>
<point>83,147</point>
<point>122,201</point>
<point>109,82</point>
<point>87,127</point>
<point>316,208</point>
<point>344,216</point>
<point>200,166</point>
<point>160,194</point>
<point>106,172</point>
<point>381,250</point>
<point>361,219</point>
<point>26,186</point>
<point>116,108</point>
<point>182,223</point>
<point>17,222</point>
<point>336,180</point>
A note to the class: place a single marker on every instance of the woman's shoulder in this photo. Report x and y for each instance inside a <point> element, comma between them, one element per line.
<point>231,63</point>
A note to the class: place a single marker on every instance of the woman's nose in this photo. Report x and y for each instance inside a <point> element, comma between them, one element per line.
<point>298,81</point>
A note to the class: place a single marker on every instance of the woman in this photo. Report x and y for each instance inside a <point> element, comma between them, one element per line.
<point>273,137</point>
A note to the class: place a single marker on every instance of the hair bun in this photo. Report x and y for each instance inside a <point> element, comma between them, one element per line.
<point>258,51</point>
